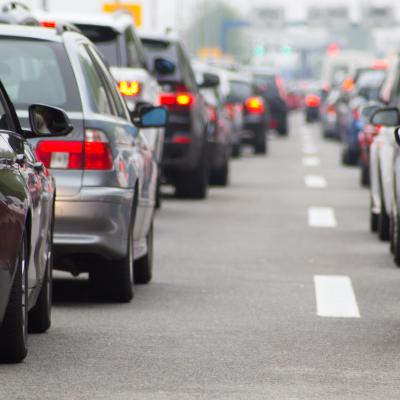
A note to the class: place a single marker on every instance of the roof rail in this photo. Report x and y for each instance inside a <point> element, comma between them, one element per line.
<point>62,27</point>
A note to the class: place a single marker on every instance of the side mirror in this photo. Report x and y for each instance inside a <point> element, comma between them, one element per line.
<point>389,116</point>
<point>164,67</point>
<point>209,81</point>
<point>148,116</point>
<point>48,121</point>
<point>368,110</point>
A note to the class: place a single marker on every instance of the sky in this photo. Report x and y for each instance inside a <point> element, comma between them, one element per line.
<point>178,13</point>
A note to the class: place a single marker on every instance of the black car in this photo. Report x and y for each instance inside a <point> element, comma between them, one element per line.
<point>186,141</point>
<point>27,195</point>
<point>271,87</point>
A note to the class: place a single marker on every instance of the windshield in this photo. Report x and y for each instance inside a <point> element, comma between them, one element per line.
<point>38,72</point>
<point>105,39</point>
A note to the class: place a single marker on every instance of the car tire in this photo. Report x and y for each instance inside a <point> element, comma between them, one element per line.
<point>396,240</point>
<point>13,331</point>
<point>383,222</point>
<point>260,142</point>
<point>283,128</point>
<point>39,318</point>
<point>373,219</point>
<point>364,176</point>
<point>236,150</point>
<point>220,177</point>
<point>158,194</point>
<point>143,267</point>
<point>194,184</point>
<point>113,280</point>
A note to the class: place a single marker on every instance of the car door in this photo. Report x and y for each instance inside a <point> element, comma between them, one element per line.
<point>142,151</point>
<point>23,186</point>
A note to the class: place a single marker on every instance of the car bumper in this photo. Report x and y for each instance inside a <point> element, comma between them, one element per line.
<point>95,222</point>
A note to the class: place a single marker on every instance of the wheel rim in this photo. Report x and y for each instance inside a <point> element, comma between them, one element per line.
<point>24,293</point>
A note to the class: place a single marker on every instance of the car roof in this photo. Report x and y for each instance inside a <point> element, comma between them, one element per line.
<point>30,32</point>
<point>159,37</point>
<point>117,20</point>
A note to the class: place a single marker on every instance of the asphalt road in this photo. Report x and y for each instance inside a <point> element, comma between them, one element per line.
<point>270,289</point>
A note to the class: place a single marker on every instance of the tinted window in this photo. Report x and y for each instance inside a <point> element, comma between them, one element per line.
<point>98,93</point>
<point>370,78</point>
<point>38,72</point>
<point>267,84</point>
<point>5,122</point>
<point>240,91</point>
<point>106,40</point>
<point>119,104</point>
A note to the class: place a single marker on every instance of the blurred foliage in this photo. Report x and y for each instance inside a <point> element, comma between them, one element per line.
<point>206,29</point>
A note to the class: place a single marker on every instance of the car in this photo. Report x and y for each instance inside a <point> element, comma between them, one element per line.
<point>356,91</point>
<point>105,171</point>
<point>27,195</point>
<point>329,115</point>
<point>233,109</point>
<point>381,152</point>
<point>219,125</point>
<point>312,104</point>
<point>242,91</point>
<point>114,35</point>
<point>185,160</point>
<point>365,139</point>
<point>17,13</point>
<point>271,87</point>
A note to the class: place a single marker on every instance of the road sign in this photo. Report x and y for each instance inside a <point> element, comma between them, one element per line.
<point>329,16</point>
<point>134,9</point>
<point>376,16</point>
<point>269,17</point>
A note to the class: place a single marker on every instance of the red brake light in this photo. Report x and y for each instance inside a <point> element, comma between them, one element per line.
<point>93,154</point>
<point>97,151</point>
<point>312,100</point>
<point>212,114</point>
<point>177,99</point>
<point>255,105</point>
<point>181,139</point>
<point>48,24</point>
<point>129,88</point>
<point>60,154</point>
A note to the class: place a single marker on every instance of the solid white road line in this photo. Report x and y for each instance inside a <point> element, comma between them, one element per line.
<point>321,217</point>
<point>315,182</point>
<point>311,161</point>
<point>335,297</point>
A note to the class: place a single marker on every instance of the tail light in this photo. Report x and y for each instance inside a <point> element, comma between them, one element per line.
<point>230,110</point>
<point>348,84</point>
<point>312,100</point>
<point>212,114</point>
<point>356,114</point>
<point>182,99</point>
<point>129,88</point>
<point>48,24</point>
<point>331,110</point>
<point>92,154</point>
<point>255,105</point>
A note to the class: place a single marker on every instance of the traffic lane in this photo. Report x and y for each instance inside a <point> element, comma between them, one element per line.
<point>231,313</point>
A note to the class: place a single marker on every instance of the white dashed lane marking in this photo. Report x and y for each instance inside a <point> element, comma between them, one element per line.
<point>335,297</point>
<point>311,161</point>
<point>321,217</point>
<point>315,182</point>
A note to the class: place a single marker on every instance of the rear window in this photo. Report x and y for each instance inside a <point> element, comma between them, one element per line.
<point>38,72</point>
<point>240,91</point>
<point>370,78</point>
<point>267,84</point>
<point>106,40</point>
